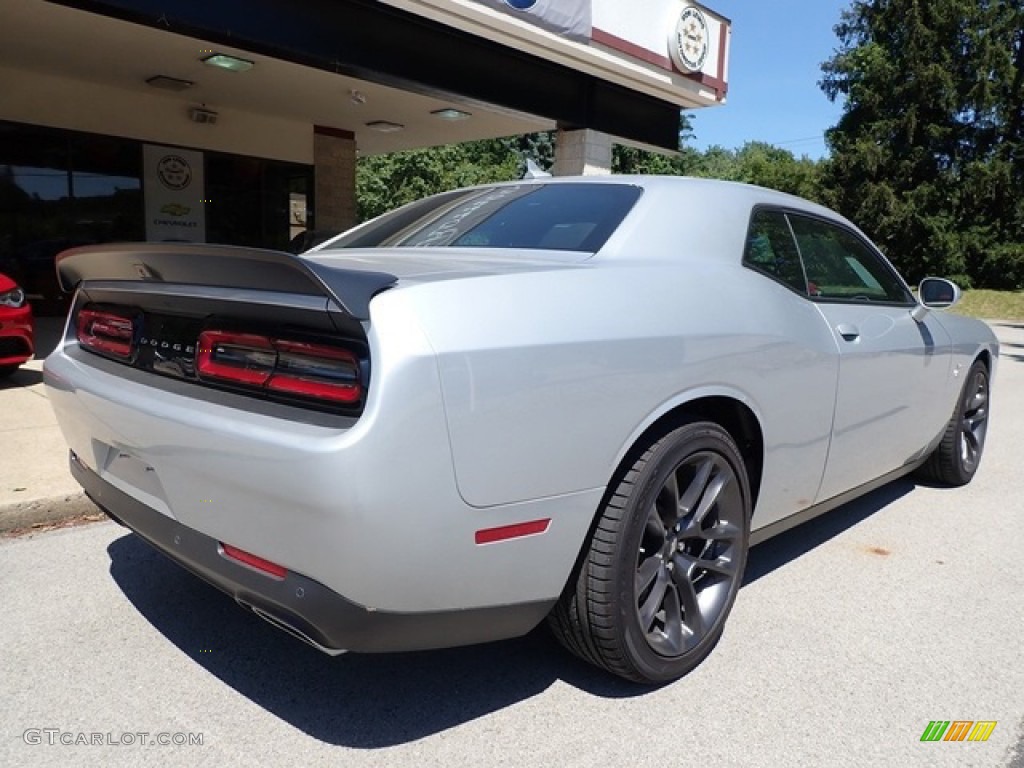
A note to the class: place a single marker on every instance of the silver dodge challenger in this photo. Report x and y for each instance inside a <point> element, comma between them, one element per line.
<point>574,399</point>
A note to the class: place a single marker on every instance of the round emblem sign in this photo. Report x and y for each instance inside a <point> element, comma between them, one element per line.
<point>688,43</point>
<point>521,5</point>
<point>174,172</point>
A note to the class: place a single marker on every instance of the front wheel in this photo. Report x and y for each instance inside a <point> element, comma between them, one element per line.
<point>665,560</point>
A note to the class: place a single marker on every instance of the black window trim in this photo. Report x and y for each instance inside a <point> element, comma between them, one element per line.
<point>755,268</point>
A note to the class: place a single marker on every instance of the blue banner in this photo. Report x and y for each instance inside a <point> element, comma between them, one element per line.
<point>570,18</point>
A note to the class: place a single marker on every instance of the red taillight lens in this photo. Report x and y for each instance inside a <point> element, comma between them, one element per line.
<point>315,370</point>
<point>288,367</point>
<point>240,358</point>
<point>106,332</point>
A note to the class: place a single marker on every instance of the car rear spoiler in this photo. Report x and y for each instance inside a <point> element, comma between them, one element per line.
<point>223,266</point>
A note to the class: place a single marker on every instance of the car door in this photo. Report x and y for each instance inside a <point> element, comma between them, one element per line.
<point>892,367</point>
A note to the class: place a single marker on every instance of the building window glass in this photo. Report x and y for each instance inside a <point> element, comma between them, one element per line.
<point>60,189</point>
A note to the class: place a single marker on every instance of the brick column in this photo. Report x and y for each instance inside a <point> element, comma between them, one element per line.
<point>582,152</point>
<point>334,169</point>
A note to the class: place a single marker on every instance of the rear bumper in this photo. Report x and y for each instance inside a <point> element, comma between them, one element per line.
<point>299,605</point>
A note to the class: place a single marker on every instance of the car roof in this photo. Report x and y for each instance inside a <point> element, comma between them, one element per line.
<point>684,217</point>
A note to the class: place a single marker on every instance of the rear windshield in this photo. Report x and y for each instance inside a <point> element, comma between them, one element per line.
<point>566,217</point>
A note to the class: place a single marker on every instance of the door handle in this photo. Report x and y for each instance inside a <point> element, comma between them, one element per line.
<point>848,332</point>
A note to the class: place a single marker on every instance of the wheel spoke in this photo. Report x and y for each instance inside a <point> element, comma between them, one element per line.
<point>671,491</point>
<point>971,438</point>
<point>650,607</point>
<point>694,490</point>
<point>722,531</point>
<point>714,490</point>
<point>673,619</point>
<point>721,565</point>
<point>687,594</point>
<point>655,526</point>
<point>646,574</point>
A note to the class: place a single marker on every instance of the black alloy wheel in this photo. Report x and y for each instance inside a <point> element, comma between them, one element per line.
<point>665,561</point>
<point>974,418</point>
<point>957,457</point>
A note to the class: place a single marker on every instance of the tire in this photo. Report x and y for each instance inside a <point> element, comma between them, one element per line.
<point>958,455</point>
<point>7,370</point>
<point>651,594</point>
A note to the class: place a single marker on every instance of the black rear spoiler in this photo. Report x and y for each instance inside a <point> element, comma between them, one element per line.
<point>223,266</point>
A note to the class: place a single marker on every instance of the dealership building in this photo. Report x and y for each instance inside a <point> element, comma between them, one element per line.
<point>240,121</point>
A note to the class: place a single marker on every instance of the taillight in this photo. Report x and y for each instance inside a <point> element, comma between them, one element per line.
<point>288,367</point>
<point>316,370</point>
<point>106,332</point>
<point>242,358</point>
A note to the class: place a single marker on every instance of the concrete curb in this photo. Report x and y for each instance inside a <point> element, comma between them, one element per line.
<point>48,511</point>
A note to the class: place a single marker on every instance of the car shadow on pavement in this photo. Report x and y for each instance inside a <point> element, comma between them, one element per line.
<point>788,546</point>
<point>361,701</point>
<point>23,377</point>
<point>374,701</point>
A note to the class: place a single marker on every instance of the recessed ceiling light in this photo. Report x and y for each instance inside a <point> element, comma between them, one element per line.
<point>225,61</point>
<point>384,126</point>
<point>450,113</point>
<point>169,83</point>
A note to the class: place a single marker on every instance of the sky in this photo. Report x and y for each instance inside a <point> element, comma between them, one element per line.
<point>774,69</point>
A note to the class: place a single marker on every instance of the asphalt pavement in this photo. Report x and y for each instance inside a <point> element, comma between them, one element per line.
<point>851,634</point>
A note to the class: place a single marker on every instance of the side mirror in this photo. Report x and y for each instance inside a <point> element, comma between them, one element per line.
<point>938,293</point>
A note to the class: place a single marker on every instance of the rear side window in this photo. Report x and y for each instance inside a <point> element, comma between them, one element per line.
<point>568,217</point>
<point>770,249</point>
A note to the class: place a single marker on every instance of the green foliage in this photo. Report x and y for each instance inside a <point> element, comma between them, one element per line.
<point>769,166</point>
<point>928,155</point>
<point>384,182</point>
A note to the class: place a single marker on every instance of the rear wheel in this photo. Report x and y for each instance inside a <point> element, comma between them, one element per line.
<point>7,370</point>
<point>957,457</point>
<point>665,561</point>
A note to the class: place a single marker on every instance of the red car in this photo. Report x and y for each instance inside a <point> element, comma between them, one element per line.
<point>16,327</point>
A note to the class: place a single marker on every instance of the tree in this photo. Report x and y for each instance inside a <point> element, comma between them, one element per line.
<point>384,182</point>
<point>927,155</point>
<point>767,166</point>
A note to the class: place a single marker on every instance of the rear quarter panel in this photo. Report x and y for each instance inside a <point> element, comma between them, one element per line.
<point>548,379</point>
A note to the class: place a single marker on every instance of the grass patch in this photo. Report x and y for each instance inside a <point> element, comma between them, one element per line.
<point>992,305</point>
